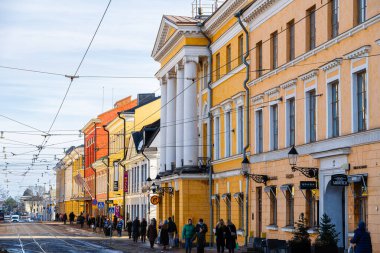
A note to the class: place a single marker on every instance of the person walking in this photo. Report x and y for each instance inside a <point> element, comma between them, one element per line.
<point>230,237</point>
<point>152,232</point>
<point>201,230</point>
<point>71,218</point>
<point>114,222</point>
<point>119,227</point>
<point>172,230</point>
<point>81,220</point>
<point>135,229</point>
<point>143,226</point>
<point>362,239</point>
<point>107,227</point>
<point>220,231</point>
<point>88,220</point>
<point>56,216</point>
<point>188,233</point>
<point>129,228</point>
<point>93,224</point>
<point>64,218</point>
<point>164,237</point>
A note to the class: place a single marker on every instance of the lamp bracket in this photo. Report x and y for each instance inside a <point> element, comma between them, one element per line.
<point>163,190</point>
<point>308,172</point>
<point>260,179</point>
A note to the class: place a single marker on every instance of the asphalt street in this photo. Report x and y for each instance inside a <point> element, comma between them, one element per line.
<point>57,238</point>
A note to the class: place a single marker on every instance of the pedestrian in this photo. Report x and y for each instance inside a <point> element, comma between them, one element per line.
<point>188,235</point>
<point>362,239</point>
<point>143,226</point>
<point>135,229</point>
<point>129,228</point>
<point>164,237</point>
<point>230,237</point>
<point>71,218</point>
<point>64,218</point>
<point>114,222</point>
<point>220,231</point>
<point>172,230</point>
<point>93,224</point>
<point>152,232</point>
<point>88,220</point>
<point>56,216</point>
<point>201,230</point>
<point>81,220</point>
<point>119,227</point>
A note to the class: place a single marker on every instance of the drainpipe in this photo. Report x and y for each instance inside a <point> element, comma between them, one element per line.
<point>209,130</point>
<point>124,157</point>
<point>108,167</point>
<point>238,16</point>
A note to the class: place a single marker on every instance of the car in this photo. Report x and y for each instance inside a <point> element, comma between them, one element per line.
<point>15,218</point>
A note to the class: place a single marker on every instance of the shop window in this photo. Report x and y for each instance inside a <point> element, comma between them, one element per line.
<point>271,191</point>
<point>359,189</point>
<point>288,191</point>
<point>239,197</point>
<point>312,208</point>
<point>227,200</point>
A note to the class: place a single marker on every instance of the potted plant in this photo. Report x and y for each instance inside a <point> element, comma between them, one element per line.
<point>327,240</point>
<point>300,243</point>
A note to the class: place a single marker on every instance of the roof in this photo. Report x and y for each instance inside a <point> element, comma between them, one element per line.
<point>181,20</point>
<point>147,134</point>
<point>28,192</point>
<point>147,101</point>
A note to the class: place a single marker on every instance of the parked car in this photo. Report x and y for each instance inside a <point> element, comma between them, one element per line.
<point>15,218</point>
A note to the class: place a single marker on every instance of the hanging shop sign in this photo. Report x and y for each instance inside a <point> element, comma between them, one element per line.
<point>116,175</point>
<point>155,199</point>
<point>308,185</point>
<point>339,180</point>
<point>126,181</point>
<point>115,186</point>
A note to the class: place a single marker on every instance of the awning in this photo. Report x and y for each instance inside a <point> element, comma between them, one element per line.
<point>358,179</point>
<point>270,189</point>
<point>287,187</point>
<point>238,196</point>
<point>226,197</point>
<point>216,197</point>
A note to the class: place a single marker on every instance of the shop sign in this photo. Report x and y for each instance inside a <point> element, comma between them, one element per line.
<point>339,180</point>
<point>109,201</point>
<point>308,185</point>
<point>126,181</point>
<point>115,186</point>
<point>155,199</point>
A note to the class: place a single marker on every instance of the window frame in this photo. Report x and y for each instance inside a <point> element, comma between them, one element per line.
<point>361,11</point>
<point>240,49</point>
<point>228,58</point>
<point>274,50</point>
<point>217,66</point>
<point>240,128</point>
<point>217,137</point>
<point>228,135</point>
<point>291,40</point>
<point>259,58</point>
<point>259,131</point>
<point>273,126</point>
<point>311,27</point>
<point>290,121</point>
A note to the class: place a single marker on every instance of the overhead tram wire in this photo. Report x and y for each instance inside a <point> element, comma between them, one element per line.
<point>46,139</point>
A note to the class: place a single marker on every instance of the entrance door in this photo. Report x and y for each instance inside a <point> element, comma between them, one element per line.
<point>259,211</point>
<point>335,209</point>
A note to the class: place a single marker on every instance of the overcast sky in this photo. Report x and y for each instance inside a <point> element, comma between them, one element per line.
<point>52,36</point>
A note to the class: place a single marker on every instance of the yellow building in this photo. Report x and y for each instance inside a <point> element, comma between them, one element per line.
<point>314,67</point>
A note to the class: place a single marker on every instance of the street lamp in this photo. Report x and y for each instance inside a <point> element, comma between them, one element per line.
<point>161,190</point>
<point>308,172</point>
<point>261,179</point>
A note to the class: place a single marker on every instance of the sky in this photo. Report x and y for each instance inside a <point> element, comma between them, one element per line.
<point>52,36</point>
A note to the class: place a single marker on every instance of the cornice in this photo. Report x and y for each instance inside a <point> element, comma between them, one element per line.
<point>258,99</point>
<point>364,50</point>
<point>289,84</point>
<point>332,64</point>
<point>226,104</point>
<point>222,15</point>
<point>257,8</point>
<point>309,75</point>
<point>272,92</point>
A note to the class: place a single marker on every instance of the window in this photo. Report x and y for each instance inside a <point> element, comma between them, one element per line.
<point>289,205</point>
<point>240,127</point>
<point>241,211</point>
<point>240,49</point>
<point>290,40</point>
<point>312,208</point>
<point>361,10</point>
<point>334,22</point>
<point>360,200</point>
<point>274,126</point>
<point>217,63</point>
<point>334,107</point>
<point>273,205</point>
<point>259,58</point>
<point>311,116</point>
<point>217,140</point>
<point>205,76</point>
<point>311,28</point>
<point>259,131</point>
<point>291,124</point>
<point>228,133</point>
<point>228,58</point>
<point>361,101</point>
<point>274,50</point>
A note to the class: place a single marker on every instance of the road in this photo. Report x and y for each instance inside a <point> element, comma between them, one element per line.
<point>54,237</point>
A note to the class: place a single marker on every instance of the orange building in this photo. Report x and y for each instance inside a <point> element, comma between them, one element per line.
<point>96,147</point>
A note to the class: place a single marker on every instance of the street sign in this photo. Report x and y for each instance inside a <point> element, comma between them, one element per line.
<point>308,185</point>
<point>339,180</point>
<point>109,201</point>
<point>100,205</point>
<point>111,209</point>
<point>94,202</point>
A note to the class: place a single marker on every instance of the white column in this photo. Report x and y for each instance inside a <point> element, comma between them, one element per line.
<point>163,127</point>
<point>179,115</point>
<point>190,112</point>
<point>170,120</point>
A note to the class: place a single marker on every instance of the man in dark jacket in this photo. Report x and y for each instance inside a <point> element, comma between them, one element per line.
<point>172,230</point>
<point>362,239</point>
<point>135,229</point>
<point>71,218</point>
<point>201,230</point>
<point>129,228</point>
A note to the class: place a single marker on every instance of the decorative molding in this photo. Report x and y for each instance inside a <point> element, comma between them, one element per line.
<point>179,66</point>
<point>188,59</point>
<point>215,111</point>
<point>332,152</point>
<point>332,64</point>
<point>163,80</point>
<point>222,15</point>
<point>258,8</point>
<point>309,75</point>
<point>289,84</point>
<point>171,75</point>
<point>227,104</point>
<point>258,99</point>
<point>272,92</point>
<point>239,98</point>
<point>318,49</point>
<point>358,52</point>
